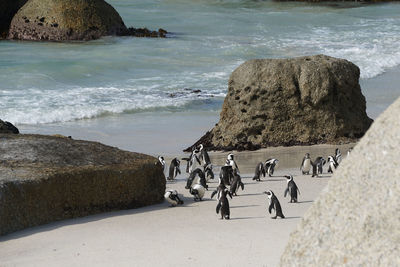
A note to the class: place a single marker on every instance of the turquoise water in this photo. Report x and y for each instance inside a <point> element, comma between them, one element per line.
<point>42,83</point>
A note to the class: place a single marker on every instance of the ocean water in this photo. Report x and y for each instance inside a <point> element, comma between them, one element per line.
<point>57,83</point>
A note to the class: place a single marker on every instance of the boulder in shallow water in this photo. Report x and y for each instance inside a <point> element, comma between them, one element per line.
<point>46,178</point>
<point>355,220</point>
<point>58,20</point>
<point>7,127</point>
<point>299,101</point>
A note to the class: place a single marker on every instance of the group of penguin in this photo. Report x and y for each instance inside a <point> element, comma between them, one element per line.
<point>200,171</point>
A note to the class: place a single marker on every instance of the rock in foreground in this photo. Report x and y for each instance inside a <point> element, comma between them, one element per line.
<point>58,20</point>
<point>299,101</point>
<point>46,178</point>
<point>8,8</point>
<point>355,220</point>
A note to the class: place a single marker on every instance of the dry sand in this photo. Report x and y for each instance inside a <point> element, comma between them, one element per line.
<point>187,235</point>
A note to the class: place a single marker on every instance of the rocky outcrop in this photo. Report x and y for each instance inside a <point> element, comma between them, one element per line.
<point>299,101</point>
<point>59,20</point>
<point>7,127</point>
<point>47,178</point>
<point>7,11</point>
<point>355,220</point>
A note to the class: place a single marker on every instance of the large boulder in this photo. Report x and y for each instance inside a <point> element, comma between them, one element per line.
<point>59,20</point>
<point>355,220</point>
<point>48,178</point>
<point>299,101</point>
<point>7,11</point>
<point>8,127</point>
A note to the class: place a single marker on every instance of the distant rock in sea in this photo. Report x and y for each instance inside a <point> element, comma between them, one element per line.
<point>50,178</point>
<point>65,20</point>
<point>8,127</point>
<point>299,101</point>
<point>355,220</point>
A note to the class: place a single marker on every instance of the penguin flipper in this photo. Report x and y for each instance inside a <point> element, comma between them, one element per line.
<point>218,207</point>
<point>213,193</point>
<point>242,185</point>
<point>230,194</point>
<point>286,192</point>
<point>271,207</point>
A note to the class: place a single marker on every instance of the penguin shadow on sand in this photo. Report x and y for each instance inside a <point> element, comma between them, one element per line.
<point>246,218</point>
<point>244,206</point>
<point>304,201</point>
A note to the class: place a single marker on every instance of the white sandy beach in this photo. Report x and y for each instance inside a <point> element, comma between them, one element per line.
<point>191,234</point>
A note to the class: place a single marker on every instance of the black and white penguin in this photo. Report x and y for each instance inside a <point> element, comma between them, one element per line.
<point>292,189</point>
<point>274,204</point>
<point>231,161</point>
<point>204,157</point>
<point>192,161</point>
<point>270,166</point>
<point>174,169</point>
<point>332,164</point>
<point>196,177</point>
<point>317,166</point>
<point>221,186</point>
<point>172,197</point>
<point>208,172</point>
<point>260,170</point>
<point>163,164</point>
<point>223,205</point>
<point>236,183</point>
<point>226,174</point>
<point>349,151</point>
<point>306,164</point>
<point>338,156</point>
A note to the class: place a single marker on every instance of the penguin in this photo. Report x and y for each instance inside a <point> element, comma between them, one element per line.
<point>270,166</point>
<point>259,170</point>
<point>274,204</point>
<point>221,186</point>
<point>320,163</point>
<point>208,172</point>
<point>292,189</point>
<point>338,156</point>
<point>349,151</point>
<point>231,161</point>
<point>332,164</point>
<point>226,174</point>
<point>174,169</point>
<point>197,191</point>
<point>163,164</point>
<point>306,164</point>
<point>192,161</point>
<point>204,157</point>
<point>236,183</point>
<point>317,166</point>
<point>196,177</point>
<point>223,204</point>
<point>172,197</point>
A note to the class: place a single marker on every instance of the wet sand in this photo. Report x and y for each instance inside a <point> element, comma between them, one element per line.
<point>191,234</point>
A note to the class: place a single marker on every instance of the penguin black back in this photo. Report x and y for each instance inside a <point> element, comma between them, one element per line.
<point>236,183</point>
<point>223,205</point>
<point>260,170</point>
<point>292,189</point>
<point>274,205</point>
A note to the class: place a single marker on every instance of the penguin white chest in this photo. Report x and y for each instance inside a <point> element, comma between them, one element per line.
<point>307,165</point>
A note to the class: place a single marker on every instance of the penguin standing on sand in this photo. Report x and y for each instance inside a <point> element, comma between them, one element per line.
<point>317,166</point>
<point>306,164</point>
<point>274,204</point>
<point>174,169</point>
<point>163,164</point>
<point>221,187</point>
<point>172,197</point>
<point>196,177</point>
<point>231,161</point>
<point>270,166</point>
<point>292,189</point>
<point>208,172</point>
<point>204,157</point>
<point>338,156</point>
<point>236,183</point>
<point>349,151</point>
<point>192,161</point>
<point>259,170</point>
<point>223,205</point>
<point>332,164</point>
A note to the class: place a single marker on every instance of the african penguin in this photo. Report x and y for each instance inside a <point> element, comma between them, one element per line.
<point>270,166</point>
<point>226,174</point>
<point>274,204</point>
<point>204,157</point>
<point>174,169</point>
<point>221,186</point>
<point>172,197</point>
<point>192,161</point>
<point>163,164</point>
<point>208,172</point>
<point>306,164</point>
<point>349,151</point>
<point>196,177</point>
<point>223,205</point>
<point>332,164</point>
<point>259,170</point>
<point>231,161</point>
<point>338,156</point>
<point>236,183</point>
<point>292,189</point>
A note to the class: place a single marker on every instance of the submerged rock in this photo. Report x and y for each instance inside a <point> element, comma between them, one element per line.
<point>7,127</point>
<point>46,178</point>
<point>298,101</point>
<point>355,220</point>
<point>58,20</point>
